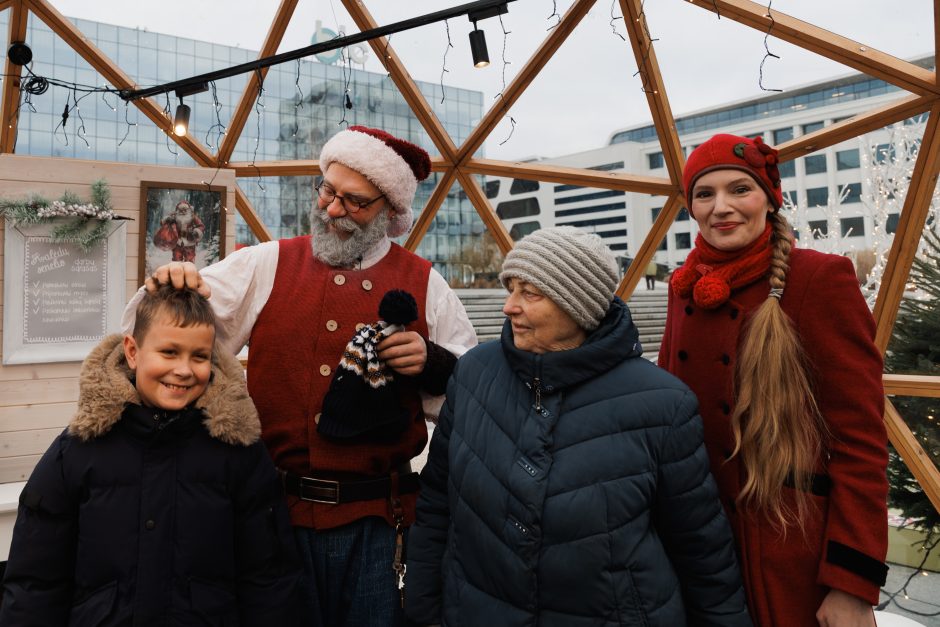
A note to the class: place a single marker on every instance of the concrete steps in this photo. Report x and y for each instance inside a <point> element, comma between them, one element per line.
<point>485,309</point>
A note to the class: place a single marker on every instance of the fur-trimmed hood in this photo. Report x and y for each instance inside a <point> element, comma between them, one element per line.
<point>105,389</point>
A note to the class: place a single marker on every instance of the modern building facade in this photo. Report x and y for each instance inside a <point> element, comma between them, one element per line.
<point>840,194</point>
<point>302,105</point>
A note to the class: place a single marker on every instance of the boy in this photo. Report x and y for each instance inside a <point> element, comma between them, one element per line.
<point>158,505</point>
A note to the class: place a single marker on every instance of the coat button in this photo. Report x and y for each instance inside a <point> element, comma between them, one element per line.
<point>367,285</point>
<point>689,310</point>
<point>725,359</point>
<point>316,419</point>
<point>734,314</point>
<point>150,525</point>
<point>359,326</point>
<point>325,370</point>
<point>331,325</point>
<point>683,355</point>
<point>339,279</point>
<point>725,409</point>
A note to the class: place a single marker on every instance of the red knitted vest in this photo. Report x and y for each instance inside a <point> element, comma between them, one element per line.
<point>296,345</point>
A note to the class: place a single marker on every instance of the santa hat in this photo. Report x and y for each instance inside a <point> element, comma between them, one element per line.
<point>393,165</point>
<point>723,152</point>
<point>363,402</point>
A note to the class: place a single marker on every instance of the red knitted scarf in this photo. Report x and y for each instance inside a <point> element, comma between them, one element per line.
<point>710,274</point>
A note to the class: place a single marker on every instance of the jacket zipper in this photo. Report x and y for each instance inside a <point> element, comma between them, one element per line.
<point>537,385</point>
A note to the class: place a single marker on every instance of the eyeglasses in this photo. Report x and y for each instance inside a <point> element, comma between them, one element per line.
<point>351,204</point>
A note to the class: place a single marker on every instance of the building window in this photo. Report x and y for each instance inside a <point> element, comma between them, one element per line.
<point>812,126</point>
<point>789,198</point>
<point>683,241</point>
<point>521,229</point>
<point>852,227</point>
<point>662,245</point>
<point>786,169</point>
<point>655,160</point>
<point>591,209</point>
<point>491,189</point>
<point>521,186</point>
<point>683,215</point>
<point>817,197</point>
<point>518,208</point>
<point>852,191</point>
<point>782,135</point>
<point>815,164</point>
<point>891,226</point>
<point>655,212</point>
<point>605,194</point>
<point>847,159</point>
<point>596,221</point>
<point>820,228</point>
<point>884,153</point>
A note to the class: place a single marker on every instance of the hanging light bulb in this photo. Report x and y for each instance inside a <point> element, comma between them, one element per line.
<point>481,56</point>
<point>181,121</point>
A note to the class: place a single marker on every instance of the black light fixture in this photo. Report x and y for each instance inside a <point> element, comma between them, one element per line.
<point>19,53</point>
<point>481,57</point>
<point>181,120</point>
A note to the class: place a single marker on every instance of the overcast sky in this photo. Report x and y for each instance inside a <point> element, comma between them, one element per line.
<point>588,90</point>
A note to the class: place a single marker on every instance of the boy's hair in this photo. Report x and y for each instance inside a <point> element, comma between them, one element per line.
<point>186,308</point>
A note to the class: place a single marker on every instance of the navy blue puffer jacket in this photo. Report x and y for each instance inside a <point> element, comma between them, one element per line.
<point>570,488</point>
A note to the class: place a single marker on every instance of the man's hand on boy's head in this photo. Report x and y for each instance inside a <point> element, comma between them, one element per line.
<point>404,352</point>
<point>181,274</point>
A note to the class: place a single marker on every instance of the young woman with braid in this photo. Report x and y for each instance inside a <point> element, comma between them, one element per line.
<point>777,343</point>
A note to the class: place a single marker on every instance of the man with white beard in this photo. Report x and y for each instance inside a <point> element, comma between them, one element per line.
<point>298,301</point>
<point>185,230</point>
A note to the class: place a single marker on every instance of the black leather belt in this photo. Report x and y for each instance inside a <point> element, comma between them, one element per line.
<point>334,492</point>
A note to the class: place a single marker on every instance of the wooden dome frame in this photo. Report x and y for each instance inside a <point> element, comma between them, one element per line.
<point>457,162</point>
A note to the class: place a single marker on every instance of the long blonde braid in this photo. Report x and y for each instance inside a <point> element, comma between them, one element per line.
<point>778,430</point>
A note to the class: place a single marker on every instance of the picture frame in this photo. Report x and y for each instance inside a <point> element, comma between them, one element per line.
<point>171,231</point>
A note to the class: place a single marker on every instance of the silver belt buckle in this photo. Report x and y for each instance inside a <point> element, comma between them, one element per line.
<point>324,490</point>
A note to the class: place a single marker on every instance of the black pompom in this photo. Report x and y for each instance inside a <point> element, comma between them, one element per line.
<point>398,307</point>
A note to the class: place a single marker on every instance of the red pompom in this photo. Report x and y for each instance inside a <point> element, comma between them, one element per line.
<point>711,291</point>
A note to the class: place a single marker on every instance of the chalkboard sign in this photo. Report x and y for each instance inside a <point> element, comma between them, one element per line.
<point>59,301</point>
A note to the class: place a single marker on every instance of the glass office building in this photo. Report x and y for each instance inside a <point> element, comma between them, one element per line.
<point>302,104</point>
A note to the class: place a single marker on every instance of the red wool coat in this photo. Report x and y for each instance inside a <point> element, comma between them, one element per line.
<point>787,577</point>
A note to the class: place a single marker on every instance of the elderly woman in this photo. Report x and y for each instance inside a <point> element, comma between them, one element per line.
<point>777,343</point>
<point>567,482</point>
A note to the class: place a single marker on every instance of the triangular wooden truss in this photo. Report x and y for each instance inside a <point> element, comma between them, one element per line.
<point>457,162</point>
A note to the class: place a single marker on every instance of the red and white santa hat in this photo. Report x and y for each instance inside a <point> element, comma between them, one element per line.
<point>393,165</point>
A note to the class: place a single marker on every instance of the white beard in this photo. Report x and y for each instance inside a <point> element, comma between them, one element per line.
<point>184,219</point>
<point>333,251</point>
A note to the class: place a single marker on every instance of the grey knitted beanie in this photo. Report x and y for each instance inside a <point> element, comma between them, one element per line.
<point>572,267</point>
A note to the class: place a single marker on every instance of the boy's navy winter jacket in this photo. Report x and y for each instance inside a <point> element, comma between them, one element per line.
<point>570,489</point>
<point>139,517</point>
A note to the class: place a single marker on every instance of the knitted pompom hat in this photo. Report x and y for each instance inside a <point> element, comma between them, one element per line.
<point>362,402</point>
<point>393,165</point>
<point>723,152</point>
<point>575,269</point>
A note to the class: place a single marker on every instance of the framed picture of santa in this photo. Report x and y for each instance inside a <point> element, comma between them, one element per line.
<point>180,222</point>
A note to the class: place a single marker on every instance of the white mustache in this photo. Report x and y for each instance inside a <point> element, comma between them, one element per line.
<point>345,223</point>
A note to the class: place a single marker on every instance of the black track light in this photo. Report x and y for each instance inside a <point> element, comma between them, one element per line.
<point>19,53</point>
<point>481,57</point>
<point>181,121</point>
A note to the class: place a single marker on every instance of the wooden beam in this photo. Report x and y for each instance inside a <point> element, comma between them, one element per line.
<point>271,42</point>
<point>6,4</point>
<point>857,55</point>
<point>529,71</point>
<point>83,46</point>
<point>10,100</point>
<point>912,385</point>
<point>485,209</point>
<point>658,231</point>
<point>855,126</point>
<point>302,167</point>
<point>430,210</point>
<point>652,85</point>
<point>250,216</point>
<point>570,176</point>
<point>910,226</point>
<point>402,79</point>
<point>913,454</point>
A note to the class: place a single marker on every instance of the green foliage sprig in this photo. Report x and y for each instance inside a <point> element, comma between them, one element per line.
<point>87,230</point>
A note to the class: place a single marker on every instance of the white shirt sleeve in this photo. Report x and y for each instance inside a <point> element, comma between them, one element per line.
<point>241,285</point>
<point>448,327</point>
